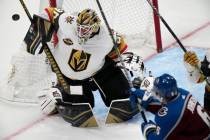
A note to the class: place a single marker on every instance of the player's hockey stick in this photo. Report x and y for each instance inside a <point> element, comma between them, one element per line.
<point>49,55</point>
<point>26,10</point>
<point>167,26</point>
<point>118,53</point>
<point>173,34</point>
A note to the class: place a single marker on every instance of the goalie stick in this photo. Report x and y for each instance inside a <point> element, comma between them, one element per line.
<point>119,56</point>
<point>26,10</point>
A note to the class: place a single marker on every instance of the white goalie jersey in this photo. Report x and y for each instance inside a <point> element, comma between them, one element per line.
<point>78,61</point>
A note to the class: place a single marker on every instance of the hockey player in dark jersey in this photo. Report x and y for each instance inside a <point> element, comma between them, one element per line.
<point>178,116</point>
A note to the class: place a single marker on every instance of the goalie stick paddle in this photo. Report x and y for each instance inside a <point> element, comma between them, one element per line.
<point>119,56</point>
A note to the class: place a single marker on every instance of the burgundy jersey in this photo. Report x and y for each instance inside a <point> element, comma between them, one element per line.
<point>183,118</point>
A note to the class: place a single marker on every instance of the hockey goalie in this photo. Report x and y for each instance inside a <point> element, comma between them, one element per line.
<point>83,52</point>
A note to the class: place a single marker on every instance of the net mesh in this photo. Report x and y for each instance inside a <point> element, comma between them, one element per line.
<point>30,73</point>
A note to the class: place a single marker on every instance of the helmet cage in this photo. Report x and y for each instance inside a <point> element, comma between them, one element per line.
<point>88,23</point>
<point>84,32</point>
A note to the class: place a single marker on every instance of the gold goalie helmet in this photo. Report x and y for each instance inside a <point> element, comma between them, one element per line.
<point>88,23</point>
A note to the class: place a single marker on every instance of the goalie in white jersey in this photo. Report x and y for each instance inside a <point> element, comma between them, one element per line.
<point>84,53</point>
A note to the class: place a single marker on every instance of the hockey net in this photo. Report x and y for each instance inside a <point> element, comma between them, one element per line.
<point>28,75</point>
<point>132,18</point>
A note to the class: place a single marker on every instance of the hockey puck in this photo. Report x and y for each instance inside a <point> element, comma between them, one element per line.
<point>15,17</point>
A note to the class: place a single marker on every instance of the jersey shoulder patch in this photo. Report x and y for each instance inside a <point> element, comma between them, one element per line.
<point>54,13</point>
<point>67,24</point>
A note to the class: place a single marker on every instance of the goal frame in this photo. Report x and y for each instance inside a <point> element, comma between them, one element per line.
<point>156,20</point>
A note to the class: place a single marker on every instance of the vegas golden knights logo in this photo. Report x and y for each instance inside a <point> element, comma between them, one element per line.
<point>78,60</point>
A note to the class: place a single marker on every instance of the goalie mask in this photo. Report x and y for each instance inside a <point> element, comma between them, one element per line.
<point>135,67</point>
<point>88,23</point>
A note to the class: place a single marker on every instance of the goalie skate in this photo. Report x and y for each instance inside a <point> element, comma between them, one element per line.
<point>78,114</point>
<point>120,111</point>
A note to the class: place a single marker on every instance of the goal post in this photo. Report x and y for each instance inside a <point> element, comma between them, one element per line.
<point>157,28</point>
<point>134,19</point>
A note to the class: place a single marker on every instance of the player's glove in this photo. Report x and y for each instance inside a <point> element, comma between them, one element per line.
<point>141,97</point>
<point>147,128</point>
<point>191,58</point>
<point>147,83</point>
<point>48,98</point>
<point>144,95</point>
<point>134,96</point>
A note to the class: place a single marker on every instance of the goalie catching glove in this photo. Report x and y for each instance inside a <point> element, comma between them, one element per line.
<point>135,67</point>
<point>48,98</point>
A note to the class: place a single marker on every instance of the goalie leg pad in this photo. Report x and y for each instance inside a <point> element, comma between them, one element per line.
<point>78,114</point>
<point>120,111</point>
